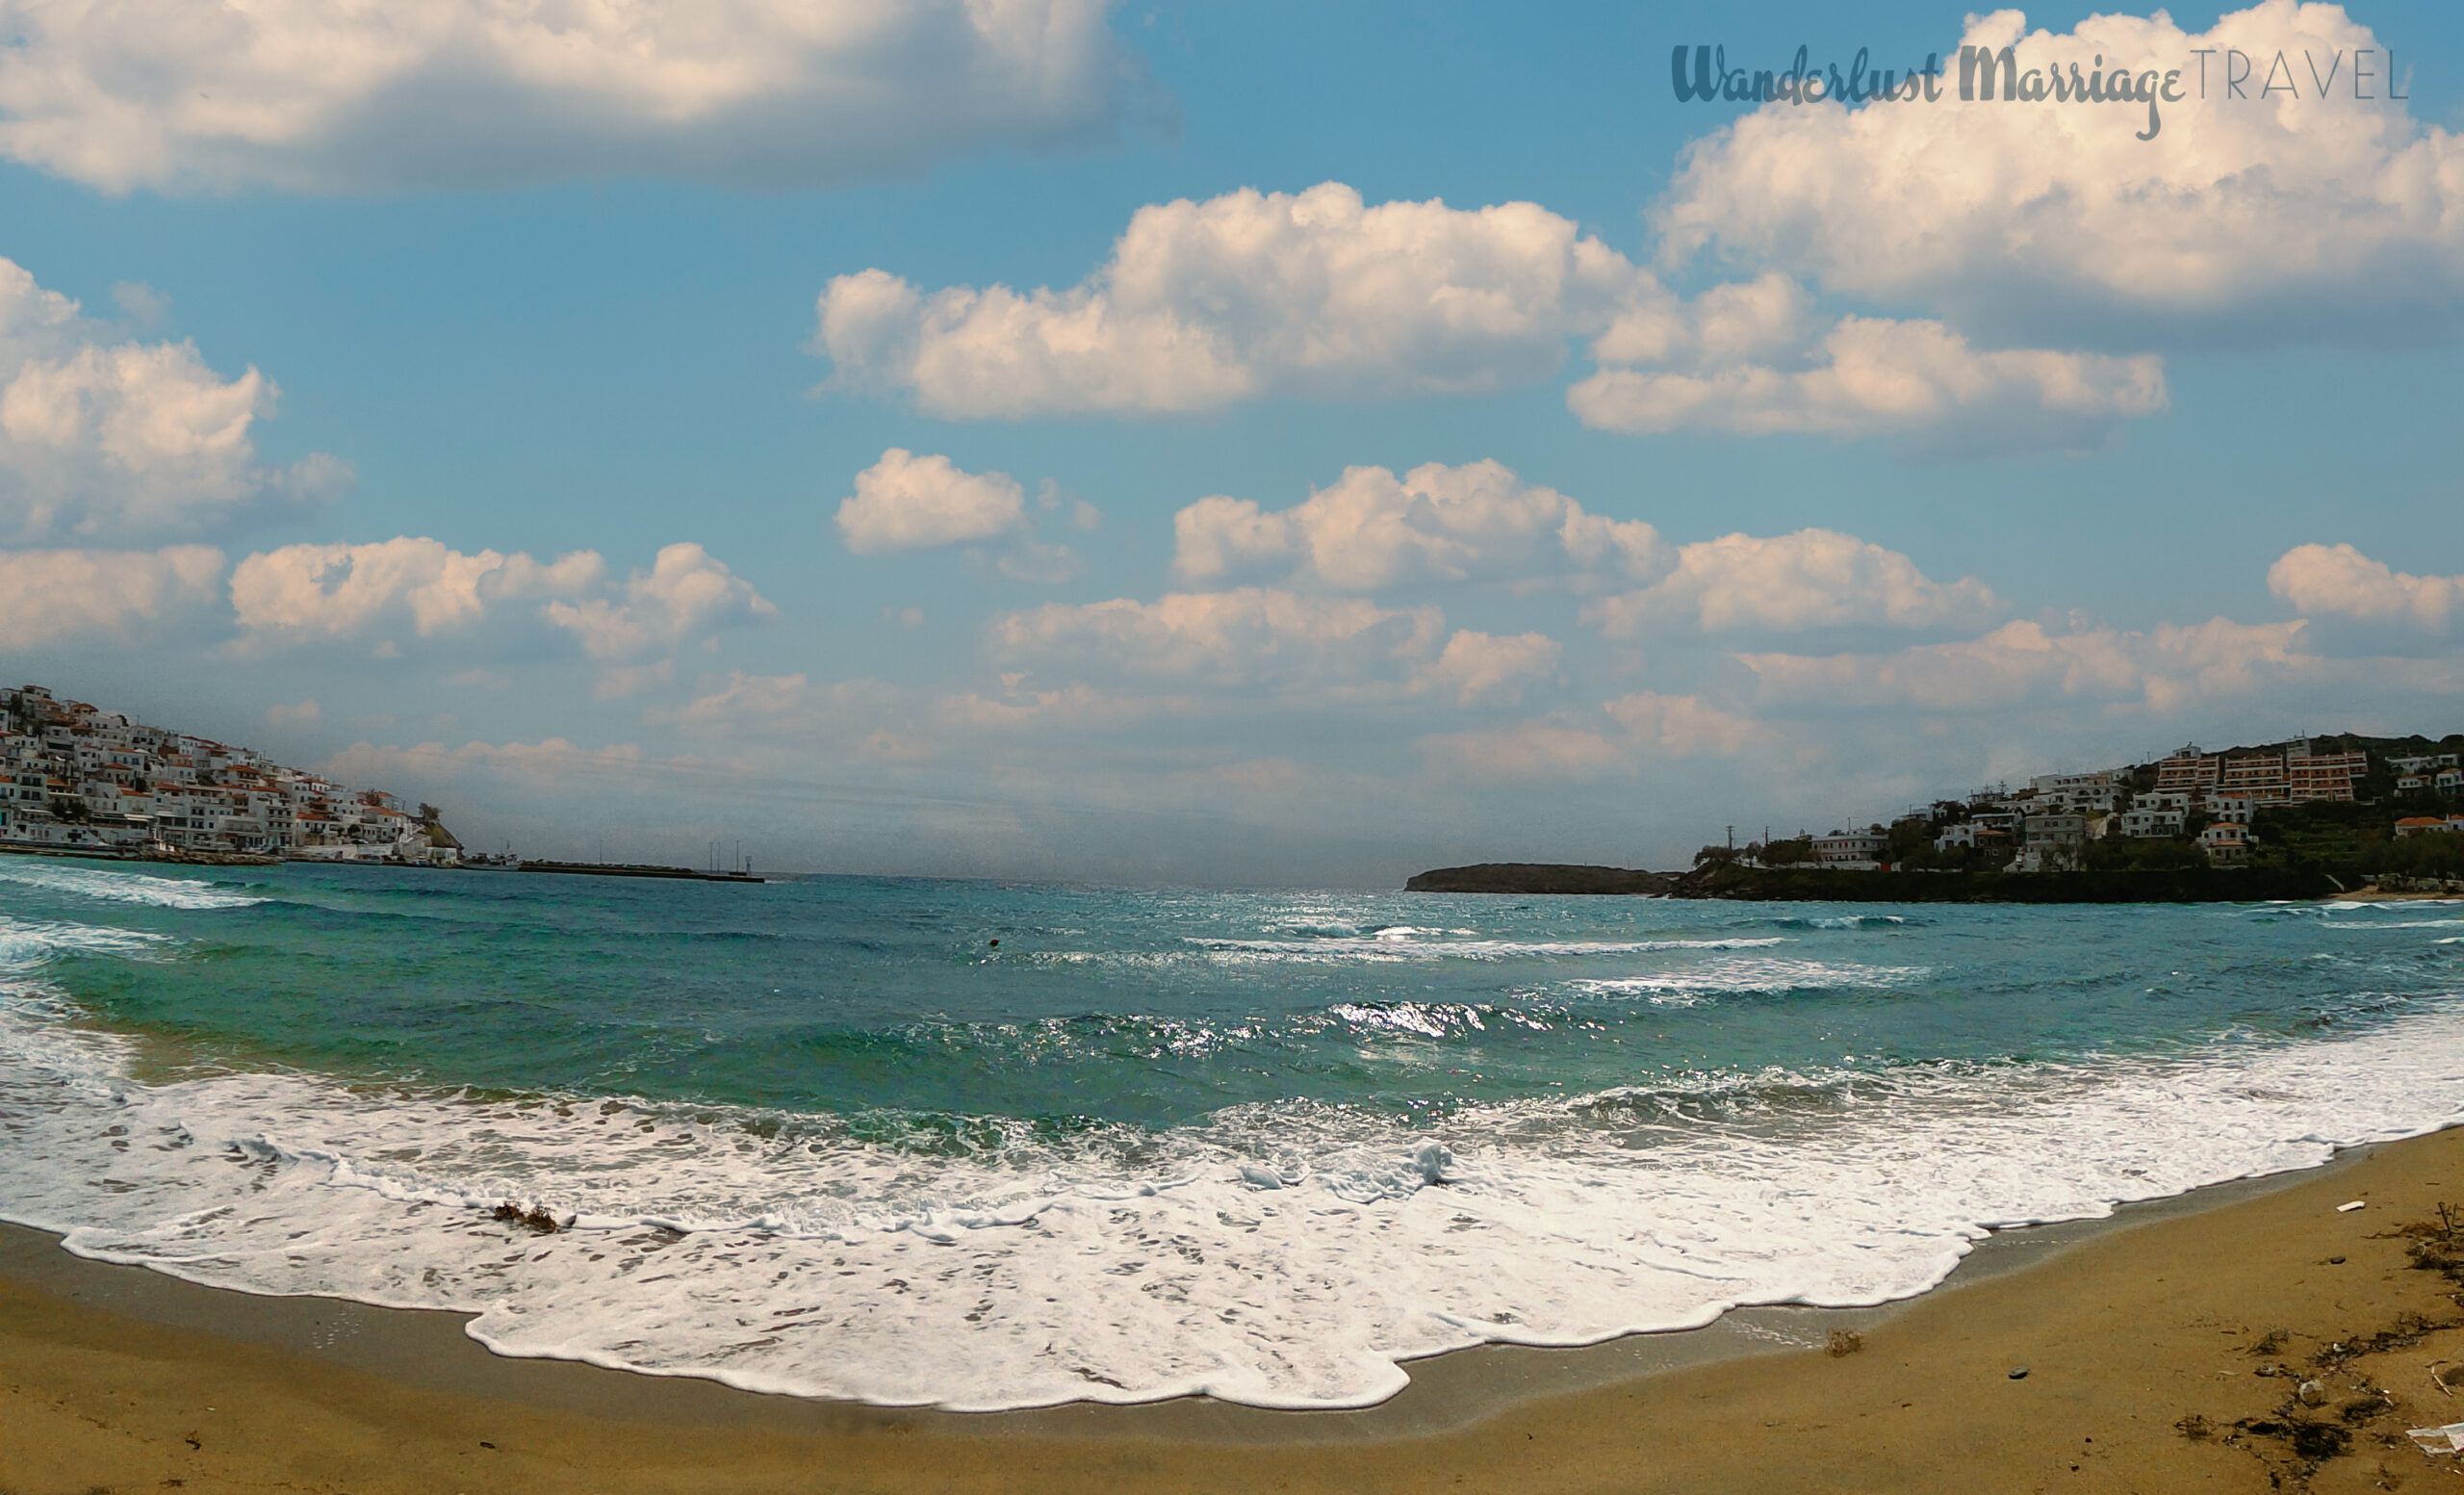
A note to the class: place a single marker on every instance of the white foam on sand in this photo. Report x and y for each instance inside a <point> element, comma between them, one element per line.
<point>1281,1255</point>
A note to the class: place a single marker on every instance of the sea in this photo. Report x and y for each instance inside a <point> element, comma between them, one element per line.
<point>981,1144</point>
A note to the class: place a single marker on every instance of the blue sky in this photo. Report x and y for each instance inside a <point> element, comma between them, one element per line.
<point>541,317</point>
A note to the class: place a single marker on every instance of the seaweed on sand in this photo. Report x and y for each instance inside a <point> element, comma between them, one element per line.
<point>535,1219</point>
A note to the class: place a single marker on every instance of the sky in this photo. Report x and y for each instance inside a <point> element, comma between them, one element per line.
<point>1222,444</point>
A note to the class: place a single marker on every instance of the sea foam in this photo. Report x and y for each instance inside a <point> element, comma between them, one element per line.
<point>1286,1254</point>
<point>1290,1253</point>
<point>115,887</point>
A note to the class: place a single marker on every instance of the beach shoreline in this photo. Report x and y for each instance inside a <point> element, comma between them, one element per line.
<point>1453,1389</point>
<point>99,1362</point>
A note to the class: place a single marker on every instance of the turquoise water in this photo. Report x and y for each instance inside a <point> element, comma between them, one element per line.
<point>1364,1126</point>
<point>1157,1008</point>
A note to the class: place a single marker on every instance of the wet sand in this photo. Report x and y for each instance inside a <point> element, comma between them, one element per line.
<point>2130,1330</point>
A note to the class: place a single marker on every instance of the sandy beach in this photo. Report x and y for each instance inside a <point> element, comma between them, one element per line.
<point>2165,1350</point>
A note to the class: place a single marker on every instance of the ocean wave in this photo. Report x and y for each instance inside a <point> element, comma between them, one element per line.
<point>165,893</point>
<point>26,945</point>
<point>2409,923</point>
<point>1750,977</point>
<point>1832,921</point>
<point>1283,1254</point>
<point>1142,1166</point>
<point>1408,943</point>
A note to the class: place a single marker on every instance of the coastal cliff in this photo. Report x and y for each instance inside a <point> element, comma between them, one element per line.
<point>1539,877</point>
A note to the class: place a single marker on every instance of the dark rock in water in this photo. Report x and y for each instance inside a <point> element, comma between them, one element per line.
<point>1539,877</point>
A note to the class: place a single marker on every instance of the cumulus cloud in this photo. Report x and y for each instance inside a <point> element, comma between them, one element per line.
<point>52,597</point>
<point>1916,381</point>
<point>907,502</point>
<point>446,94</point>
<point>686,594</point>
<point>1246,637</point>
<point>2302,214</point>
<point>1809,580</point>
<point>904,503</point>
<point>1251,293</point>
<point>424,589</point>
<point>1478,667</point>
<point>2338,582</point>
<point>1318,294</point>
<point>1638,730</point>
<point>1303,647</point>
<point>105,438</point>
<point>1372,529</point>
<point>1683,726</point>
<point>348,592</point>
<point>2023,663</point>
<point>302,713</point>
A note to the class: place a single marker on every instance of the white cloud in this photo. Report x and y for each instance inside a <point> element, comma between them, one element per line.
<point>103,438</point>
<point>2021,664</point>
<point>2338,582</point>
<point>1238,639</point>
<point>1245,294</point>
<point>1306,647</point>
<point>345,592</point>
<point>1810,578</point>
<point>303,713</point>
<point>1317,294</point>
<point>905,502</point>
<point>426,591</point>
<point>445,93</point>
<point>1641,729</point>
<point>686,594</point>
<point>1683,726</point>
<point>1371,529</point>
<point>745,699</point>
<point>2284,218</point>
<point>1479,667</point>
<point>54,596</point>
<point>1870,376</point>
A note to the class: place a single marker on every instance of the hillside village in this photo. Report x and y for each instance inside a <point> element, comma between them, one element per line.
<point>2343,801</point>
<point>76,778</point>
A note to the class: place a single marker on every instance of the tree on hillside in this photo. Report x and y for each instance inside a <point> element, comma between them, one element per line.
<point>1795,851</point>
